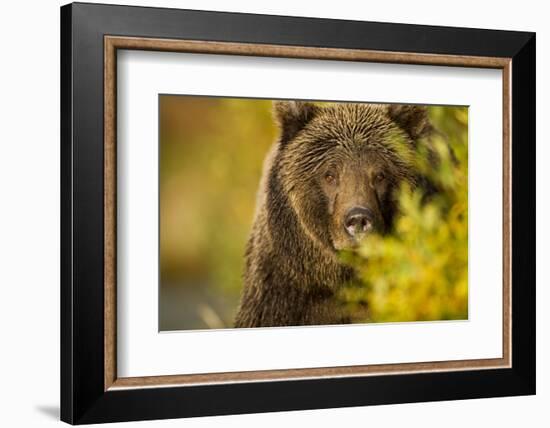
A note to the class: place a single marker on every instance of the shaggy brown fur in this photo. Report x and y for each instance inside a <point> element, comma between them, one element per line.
<point>328,161</point>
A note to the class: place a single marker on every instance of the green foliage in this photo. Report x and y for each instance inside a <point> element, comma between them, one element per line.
<point>419,272</point>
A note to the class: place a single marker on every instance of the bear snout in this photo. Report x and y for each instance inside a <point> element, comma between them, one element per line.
<point>358,221</point>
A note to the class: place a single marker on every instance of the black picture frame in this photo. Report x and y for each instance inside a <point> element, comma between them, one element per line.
<point>83,396</point>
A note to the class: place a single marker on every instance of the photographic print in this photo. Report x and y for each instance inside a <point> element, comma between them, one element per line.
<point>277,213</point>
<point>217,232</point>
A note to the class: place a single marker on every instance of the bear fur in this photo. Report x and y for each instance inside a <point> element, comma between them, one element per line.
<point>329,161</point>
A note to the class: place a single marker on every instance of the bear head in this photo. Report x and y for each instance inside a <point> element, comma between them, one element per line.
<point>341,164</point>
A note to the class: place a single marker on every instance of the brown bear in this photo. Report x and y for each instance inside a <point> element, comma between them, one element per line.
<point>329,180</point>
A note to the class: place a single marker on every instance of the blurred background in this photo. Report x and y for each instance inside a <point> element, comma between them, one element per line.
<point>211,155</point>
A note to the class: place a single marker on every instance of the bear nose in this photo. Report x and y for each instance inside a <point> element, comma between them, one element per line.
<point>358,221</point>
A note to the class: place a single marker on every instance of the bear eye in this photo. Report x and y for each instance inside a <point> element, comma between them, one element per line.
<point>330,177</point>
<point>380,177</point>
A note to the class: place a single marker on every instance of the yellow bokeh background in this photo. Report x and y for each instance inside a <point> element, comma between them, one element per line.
<point>211,154</point>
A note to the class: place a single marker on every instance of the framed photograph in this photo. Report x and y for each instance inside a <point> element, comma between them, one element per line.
<point>266,213</point>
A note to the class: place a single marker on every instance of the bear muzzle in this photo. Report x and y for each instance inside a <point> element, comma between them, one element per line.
<point>358,221</point>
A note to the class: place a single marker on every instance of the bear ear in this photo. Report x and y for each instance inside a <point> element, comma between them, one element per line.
<point>412,119</point>
<point>293,116</point>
